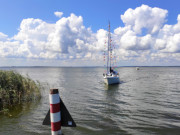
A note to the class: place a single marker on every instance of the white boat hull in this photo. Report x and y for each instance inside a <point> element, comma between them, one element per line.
<point>111,80</point>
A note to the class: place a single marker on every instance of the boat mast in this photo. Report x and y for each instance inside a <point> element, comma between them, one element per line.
<point>109,50</point>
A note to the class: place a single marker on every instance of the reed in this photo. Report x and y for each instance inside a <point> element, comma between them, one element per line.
<point>16,89</point>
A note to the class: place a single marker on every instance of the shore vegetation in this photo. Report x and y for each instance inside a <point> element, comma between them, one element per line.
<point>16,89</point>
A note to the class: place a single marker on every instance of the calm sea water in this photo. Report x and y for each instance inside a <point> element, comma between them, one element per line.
<point>147,102</point>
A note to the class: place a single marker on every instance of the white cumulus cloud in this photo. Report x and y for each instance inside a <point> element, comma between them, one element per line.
<point>151,19</point>
<point>168,39</point>
<point>58,14</point>
<point>144,38</point>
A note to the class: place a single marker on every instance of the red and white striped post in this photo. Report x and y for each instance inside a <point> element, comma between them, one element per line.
<point>55,114</point>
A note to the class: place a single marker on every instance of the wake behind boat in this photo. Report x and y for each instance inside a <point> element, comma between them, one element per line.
<point>111,76</point>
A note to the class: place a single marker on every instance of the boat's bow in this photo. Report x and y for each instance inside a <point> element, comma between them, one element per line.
<point>111,79</point>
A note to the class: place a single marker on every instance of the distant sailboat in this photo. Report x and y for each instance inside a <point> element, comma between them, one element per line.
<point>111,76</point>
<point>137,68</point>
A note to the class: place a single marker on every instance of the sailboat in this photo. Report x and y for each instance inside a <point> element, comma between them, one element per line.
<point>111,76</point>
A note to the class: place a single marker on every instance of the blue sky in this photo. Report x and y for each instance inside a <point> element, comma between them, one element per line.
<point>94,14</point>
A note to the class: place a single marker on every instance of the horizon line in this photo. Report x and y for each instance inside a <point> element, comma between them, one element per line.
<point>77,66</point>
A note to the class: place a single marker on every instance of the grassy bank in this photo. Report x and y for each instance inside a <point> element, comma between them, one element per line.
<point>15,89</point>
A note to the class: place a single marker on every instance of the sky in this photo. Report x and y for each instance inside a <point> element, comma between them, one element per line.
<point>74,32</point>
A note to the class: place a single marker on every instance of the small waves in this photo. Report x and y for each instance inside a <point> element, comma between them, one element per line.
<point>145,102</point>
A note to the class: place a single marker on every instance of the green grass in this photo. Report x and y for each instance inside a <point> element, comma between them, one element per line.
<point>15,89</point>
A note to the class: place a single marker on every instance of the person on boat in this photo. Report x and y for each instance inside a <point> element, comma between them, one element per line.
<point>115,72</point>
<point>112,71</point>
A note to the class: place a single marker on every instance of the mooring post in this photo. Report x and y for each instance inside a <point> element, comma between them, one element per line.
<point>55,113</point>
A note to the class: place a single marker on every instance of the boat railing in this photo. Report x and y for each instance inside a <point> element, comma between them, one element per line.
<point>111,74</point>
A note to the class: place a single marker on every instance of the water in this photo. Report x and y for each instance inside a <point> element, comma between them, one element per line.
<point>146,102</point>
